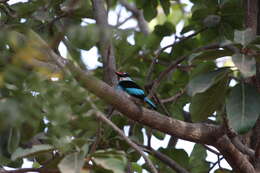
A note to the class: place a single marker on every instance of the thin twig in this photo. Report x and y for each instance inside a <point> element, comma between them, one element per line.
<point>96,142</point>
<point>124,21</point>
<point>132,144</point>
<point>214,164</point>
<point>166,160</point>
<point>150,70</point>
<point>219,159</point>
<point>211,150</point>
<point>103,118</point>
<point>174,98</point>
<point>158,100</point>
<point>177,42</point>
<point>138,15</point>
<point>174,64</point>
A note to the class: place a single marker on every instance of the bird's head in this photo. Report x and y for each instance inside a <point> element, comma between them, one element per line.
<point>122,74</point>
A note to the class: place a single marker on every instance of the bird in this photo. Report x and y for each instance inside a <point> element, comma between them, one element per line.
<point>127,85</point>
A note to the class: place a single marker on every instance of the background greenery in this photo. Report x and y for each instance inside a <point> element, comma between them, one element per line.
<point>51,122</point>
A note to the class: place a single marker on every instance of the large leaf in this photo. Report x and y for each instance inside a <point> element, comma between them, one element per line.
<point>179,155</point>
<point>201,83</point>
<point>110,160</point>
<point>202,68</point>
<point>166,6</point>
<point>164,30</point>
<point>150,9</point>
<point>245,64</point>
<point>243,107</point>
<point>72,163</point>
<point>198,160</point>
<point>205,104</point>
<point>84,37</point>
<point>209,55</point>
<point>36,149</point>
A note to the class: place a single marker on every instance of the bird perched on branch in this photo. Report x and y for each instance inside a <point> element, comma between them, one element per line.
<point>129,86</point>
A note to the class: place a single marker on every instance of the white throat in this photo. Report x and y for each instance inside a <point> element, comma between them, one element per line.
<point>125,78</point>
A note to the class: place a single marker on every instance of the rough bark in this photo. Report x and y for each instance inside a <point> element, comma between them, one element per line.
<point>105,46</point>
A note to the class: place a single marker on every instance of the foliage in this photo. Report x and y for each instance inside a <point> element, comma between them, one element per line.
<point>47,118</point>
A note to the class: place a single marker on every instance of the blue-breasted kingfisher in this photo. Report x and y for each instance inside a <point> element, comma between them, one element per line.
<point>127,85</point>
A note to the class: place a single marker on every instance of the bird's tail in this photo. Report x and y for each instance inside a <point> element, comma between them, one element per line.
<point>150,103</point>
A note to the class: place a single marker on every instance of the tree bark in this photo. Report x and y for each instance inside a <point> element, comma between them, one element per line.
<point>105,44</point>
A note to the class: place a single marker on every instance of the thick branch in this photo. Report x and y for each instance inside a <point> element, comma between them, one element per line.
<point>105,45</point>
<point>251,14</point>
<point>257,157</point>
<point>197,132</point>
<point>235,158</point>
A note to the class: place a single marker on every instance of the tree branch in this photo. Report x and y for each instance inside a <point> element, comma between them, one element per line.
<point>257,156</point>
<point>174,65</point>
<point>236,141</point>
<point>105,44</point>
<point>174,98</point>
<point>103,118</point>
<point>197,132</point>
<point>235,158</point>
<point>138,15</point>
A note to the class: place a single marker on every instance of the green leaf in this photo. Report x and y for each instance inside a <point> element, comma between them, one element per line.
<point>179,155</point>
<point>205,104</point>
<point>244,37</point>
<point>209,55</point>
<point>36,149</point>
<point>136,167</point>
<point>198,159</point>
<point>158,134</point>
<point>164,30</point>
<point>166,6</point>
<point>245,64</point>
<point>13,139</point>
<point>201,83</point>
<point>84,37</point>
<point>111,160</point>
<point>202,68</point>
<point>243,107</point>
<point>150,10</point>
<point>72,163</point>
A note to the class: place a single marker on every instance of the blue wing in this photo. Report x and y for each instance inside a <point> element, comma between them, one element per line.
<point>150,103</point>
<point>135,91</point>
